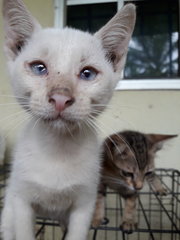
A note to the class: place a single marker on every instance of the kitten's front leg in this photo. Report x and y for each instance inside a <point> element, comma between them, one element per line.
<point>17,220</point>
<point>156,184</point>
<point>7,220</point>
<point>24,219</point>
<point>129,215</point>
<point>99,212</point>
<point>80,219</point>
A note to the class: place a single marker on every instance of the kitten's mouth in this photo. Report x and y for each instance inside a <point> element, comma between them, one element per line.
<point>56,118</point>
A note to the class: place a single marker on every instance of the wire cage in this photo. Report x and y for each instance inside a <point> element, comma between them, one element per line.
<point>158,216</point>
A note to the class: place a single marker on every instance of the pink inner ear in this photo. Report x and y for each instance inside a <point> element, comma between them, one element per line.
<point>17,31</point>
<point>116,34</point>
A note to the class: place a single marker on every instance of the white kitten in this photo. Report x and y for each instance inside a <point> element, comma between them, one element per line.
<point>64,79</point>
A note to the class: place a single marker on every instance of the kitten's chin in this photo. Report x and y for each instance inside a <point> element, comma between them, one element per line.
<point>57,119</point>
<point>61,124</point>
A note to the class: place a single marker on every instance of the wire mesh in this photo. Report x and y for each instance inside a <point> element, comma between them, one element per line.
<point>158,216</point>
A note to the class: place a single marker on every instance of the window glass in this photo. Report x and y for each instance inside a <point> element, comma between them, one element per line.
<point>153,51</point>
<point>90,17</point>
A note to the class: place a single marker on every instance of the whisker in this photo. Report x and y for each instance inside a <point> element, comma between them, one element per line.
<point>13,96</point>
<point>109,150</point>
<point>120,137</point>
<point>96,128</point>
<point>114,180</point>
<point>70,133</point>
<point>35,122</point>
<point>14,127</point>
<point>82,129</point>
<point>5,104</point>
<point>12,115</point>
<point>127,144</point>
<point>92,124</point>
<point>117,181</point>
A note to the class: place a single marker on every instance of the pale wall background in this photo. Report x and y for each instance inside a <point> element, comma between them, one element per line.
<point>148,111</point>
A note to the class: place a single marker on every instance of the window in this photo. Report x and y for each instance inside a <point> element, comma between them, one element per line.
<point>153,57</point>
<point>153,50</point>
<point>90,17</point>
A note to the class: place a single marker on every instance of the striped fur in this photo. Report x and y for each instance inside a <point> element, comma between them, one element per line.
<point>128,160</point>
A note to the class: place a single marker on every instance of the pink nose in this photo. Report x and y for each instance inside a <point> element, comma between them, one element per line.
<point>61,101</point>
<point>138,185</point>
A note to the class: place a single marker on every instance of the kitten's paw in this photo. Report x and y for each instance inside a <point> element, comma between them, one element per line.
<point>96,222</point>
<point>128,226</point>
<point>161,191</point>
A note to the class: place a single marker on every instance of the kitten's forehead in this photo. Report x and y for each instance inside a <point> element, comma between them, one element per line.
<point>139,145</point>
<point>67,46</point>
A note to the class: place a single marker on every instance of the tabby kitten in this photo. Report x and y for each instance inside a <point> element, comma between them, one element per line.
<point>128,160</point>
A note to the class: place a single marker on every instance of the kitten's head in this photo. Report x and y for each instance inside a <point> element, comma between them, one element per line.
<point>64,76</point>
<point>131,155</point>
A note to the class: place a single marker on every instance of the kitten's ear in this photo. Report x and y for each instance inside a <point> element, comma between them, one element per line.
<point>19,26</point>
<point>116,34</point>
<point>157,140</point>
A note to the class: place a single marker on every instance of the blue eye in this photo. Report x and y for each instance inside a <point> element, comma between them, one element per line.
<point>38,68</point>
<point>88,74</point>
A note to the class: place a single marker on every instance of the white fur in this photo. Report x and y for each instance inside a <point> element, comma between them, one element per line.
<point>56,163</point>
<point>49,173</point>
<point>51,168</point>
